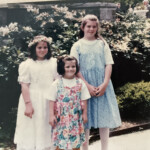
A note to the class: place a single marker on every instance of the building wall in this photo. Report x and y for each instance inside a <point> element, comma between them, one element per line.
<point>17,12</point>
<point>3,16</point>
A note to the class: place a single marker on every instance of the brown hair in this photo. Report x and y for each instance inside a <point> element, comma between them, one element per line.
<point>61,63</point>
<point>34,43</point>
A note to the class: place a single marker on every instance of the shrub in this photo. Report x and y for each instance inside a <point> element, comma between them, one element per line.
<point>58,23</point>
<point>134,100</point>
<point>63,25</point>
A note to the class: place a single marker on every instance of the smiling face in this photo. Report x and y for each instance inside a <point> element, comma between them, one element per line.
<point>90,30</point>
<point>70,69</point>
<point>41,50</point>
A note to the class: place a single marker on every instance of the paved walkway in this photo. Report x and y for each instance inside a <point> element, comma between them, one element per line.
<point>134,141</point>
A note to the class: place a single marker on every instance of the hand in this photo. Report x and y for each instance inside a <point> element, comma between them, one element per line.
<point>52,120</point>
<point>84,117</point>
<point>101,89</point>
<point>92,90</point>
<point>29,110</point>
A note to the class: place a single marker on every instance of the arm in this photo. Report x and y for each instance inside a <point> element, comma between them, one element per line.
<point>101,89</point>
<point>26,96</point>
<point>84,110</point>
<point>52,119</point>
<point>75,53</point>
<point>90,87</point>
<point>108,71</point>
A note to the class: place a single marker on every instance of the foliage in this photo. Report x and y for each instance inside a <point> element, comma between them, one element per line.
<point>134,100</point>
<point>125,3</point>
<point>129,67</point>
<point>129,40</point>
<point>8,125</point>
<point>131,36</point>
<point>132,32</point>
<point>58,23</point>
<point>63,26</point>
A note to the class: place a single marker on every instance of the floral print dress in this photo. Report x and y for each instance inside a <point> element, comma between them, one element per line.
<point>69,130</point>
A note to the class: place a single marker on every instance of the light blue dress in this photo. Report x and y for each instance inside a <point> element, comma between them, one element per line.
<point>92,56</point>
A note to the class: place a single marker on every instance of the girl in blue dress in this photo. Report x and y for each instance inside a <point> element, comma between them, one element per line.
<point>95,60</point>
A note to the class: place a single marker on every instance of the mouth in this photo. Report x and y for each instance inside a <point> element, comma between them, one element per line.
<point>91,32</point>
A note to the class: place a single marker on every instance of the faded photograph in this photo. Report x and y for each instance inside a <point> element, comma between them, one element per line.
<point>74,75</point>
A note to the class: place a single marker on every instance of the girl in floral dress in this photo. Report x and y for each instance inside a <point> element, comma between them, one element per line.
<point>68,106</point>
<point>36,75</point>
<point>95,60</point>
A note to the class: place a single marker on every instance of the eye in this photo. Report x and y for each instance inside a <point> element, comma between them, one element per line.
<point>66,66</point>
<point>39,47</point>
<point>45,47</point>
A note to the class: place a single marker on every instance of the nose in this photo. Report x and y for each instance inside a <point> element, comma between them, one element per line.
<point>42,49</point>
<point>91,29</point>
<point>71,69</point>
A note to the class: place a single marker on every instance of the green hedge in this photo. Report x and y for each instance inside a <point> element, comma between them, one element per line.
<point>134,100</point>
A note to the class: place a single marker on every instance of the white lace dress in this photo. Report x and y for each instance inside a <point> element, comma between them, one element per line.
<point>35,133</point>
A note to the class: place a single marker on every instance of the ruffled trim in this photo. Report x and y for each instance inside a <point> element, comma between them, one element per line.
<point>23,79</point>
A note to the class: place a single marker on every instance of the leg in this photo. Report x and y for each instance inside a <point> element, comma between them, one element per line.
<point>86,144</point>
<point>104,135</point>
<point>76,148</point>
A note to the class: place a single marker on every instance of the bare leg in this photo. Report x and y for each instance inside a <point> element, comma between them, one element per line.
<point>86,144</point>
<point>104,135</point>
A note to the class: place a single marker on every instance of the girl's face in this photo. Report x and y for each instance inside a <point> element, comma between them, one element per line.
<point>90,30</point>
<point>70,69</point>
<point>41,50</point>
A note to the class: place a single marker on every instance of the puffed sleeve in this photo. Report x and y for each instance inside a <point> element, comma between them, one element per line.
<point>24,72</point>
<point>108,55</point>
<point>51,95</point>
<point>74,51</point>
<point>85,95</point>
<point>54,65</point>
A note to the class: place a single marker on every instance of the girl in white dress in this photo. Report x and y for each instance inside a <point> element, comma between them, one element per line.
<point>36,74</point>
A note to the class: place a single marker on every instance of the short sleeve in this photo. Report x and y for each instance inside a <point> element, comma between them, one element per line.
<point>52,92</point>
<point>108,55</point>
<point>85,95</point>
<point>54,65</point>
<point>74,51</point>
<point>24,72</point>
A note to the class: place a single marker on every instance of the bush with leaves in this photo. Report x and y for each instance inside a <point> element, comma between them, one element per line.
<point>58,23</point>
<point>134,100</point>
<point>63,26</point>
<point>131,33</point>
<point>131,37</point>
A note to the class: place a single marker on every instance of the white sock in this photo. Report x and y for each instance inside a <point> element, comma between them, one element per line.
<point>86,144</point>
<point>104,135</point>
